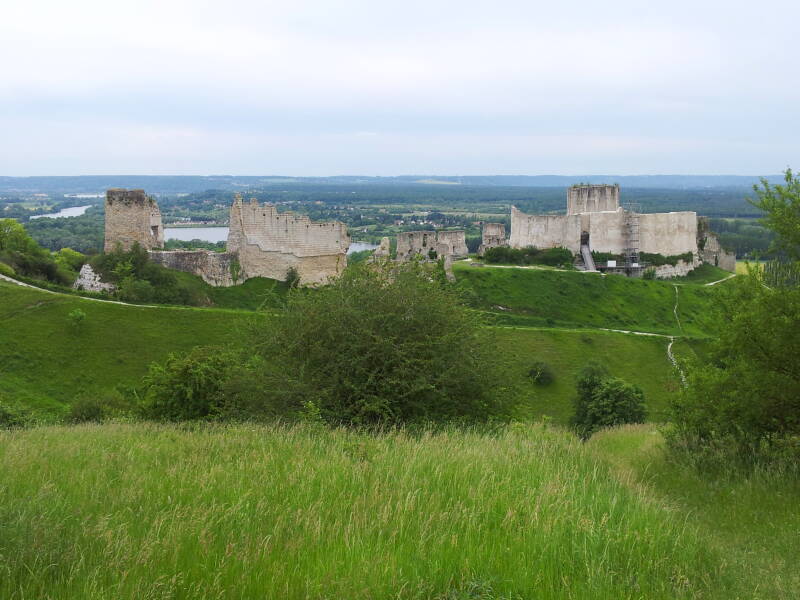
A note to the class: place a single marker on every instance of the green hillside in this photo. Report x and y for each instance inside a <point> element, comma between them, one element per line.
<point>45,362</point>
<point>641,360</point>
<point>551,298</point>
<point>146,511</point>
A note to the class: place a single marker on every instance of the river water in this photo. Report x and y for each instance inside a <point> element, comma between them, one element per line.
<point>72,211</point>
<point>220,234</point>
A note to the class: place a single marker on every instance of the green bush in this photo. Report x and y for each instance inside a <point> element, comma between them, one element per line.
<point>541,373</point>
<point>6,270</point>
<point>187,387</point>
<point>605,401</point>
<point>554,257</point>
<point>381,344</point>
<point>12,416</point>
<point>86,410</point>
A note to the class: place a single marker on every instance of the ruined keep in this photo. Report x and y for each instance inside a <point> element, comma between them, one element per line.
<point>132,216</point>
<point>261,242</point>
<point>595,218</point>
<point>493,235</point>
<point>431,244</point>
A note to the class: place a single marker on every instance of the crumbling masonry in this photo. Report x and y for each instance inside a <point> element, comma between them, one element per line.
<point>431,244</point>
<point>261,242</point>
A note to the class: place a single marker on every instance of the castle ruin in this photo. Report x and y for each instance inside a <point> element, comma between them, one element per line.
<point>131,217</point>
<point>595,221</point>
<point>261,242</point>
<point>431,244</point>
<point>493,235</point>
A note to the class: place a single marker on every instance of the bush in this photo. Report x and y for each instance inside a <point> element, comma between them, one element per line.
<point>541,373</point>
<point>187,387</point>
<point>12,417</point>
<point>382,344</point>
<point>554,257</point>
<point>76,318</point>
<point>605,401</point>
<point>745,399</point>
<point>86,410</point>
<point>6,270</point>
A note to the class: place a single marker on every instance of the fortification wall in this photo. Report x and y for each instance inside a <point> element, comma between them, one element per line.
<point>493,235</point>
<point>132,216</point>
<point>420,243</point>
<point>711,251</point>
<point>680,269</point>
<point>606,231</point>
<point>216,268</point>
<point>269,243</point>
<point>592,198</point>
<point>668,233</point>
<point>545,231</point>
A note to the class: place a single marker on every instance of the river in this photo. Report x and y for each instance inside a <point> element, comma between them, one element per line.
<point>220,234</point>
<point>72,211</point>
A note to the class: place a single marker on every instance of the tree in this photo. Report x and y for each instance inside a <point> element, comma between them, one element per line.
<point>744,399</point>
<point>384,343</point>
<point>605,401</point>
<point>781,207</point>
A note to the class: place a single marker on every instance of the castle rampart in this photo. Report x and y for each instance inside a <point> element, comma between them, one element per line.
<point>592,198</point>
<point>493,235</point>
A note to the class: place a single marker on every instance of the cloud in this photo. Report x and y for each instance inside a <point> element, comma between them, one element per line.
<point>160,81</point>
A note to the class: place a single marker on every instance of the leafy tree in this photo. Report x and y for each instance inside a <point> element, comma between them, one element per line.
<point>781,207</point>
<point>605,401</point>
<point>381,344</point>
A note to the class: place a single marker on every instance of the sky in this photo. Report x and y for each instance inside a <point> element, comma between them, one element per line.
<point>378,87</point>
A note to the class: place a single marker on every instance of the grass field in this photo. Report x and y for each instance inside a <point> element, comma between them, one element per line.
<point>576,299</point>
<point>751,519</point>
<point>45,363</point>
<point>641,360</point>
<point>145,511</point>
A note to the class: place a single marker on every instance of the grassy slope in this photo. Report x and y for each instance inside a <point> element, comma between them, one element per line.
<point>251,294</point>
<point>637,359</point>
<point>123,511</point>
<point>753,520</point>
<point>44,363</point>
<point>575,299</point>
<point>705,273</point>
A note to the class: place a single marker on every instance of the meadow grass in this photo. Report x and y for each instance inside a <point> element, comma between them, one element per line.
<point>573,299</point>
<point>751,518</point>
<point>45,362</point>
<point>641,360</point>
<point>705,273</point>
<point>146,511</point>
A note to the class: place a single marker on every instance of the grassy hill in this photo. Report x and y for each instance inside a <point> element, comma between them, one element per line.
<point>45,363</point>
<point>551,298</point>
<point>146,511</point>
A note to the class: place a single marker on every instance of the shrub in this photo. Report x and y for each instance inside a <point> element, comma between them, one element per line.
<point>6,270</point>
<point>605,401</point>
<point>554,257</point>
<point>541,373</point>
<point>86,410</point>
<point>382,344</point>
<point>76,318</point>
<point>12,417</point>
<point>292,277</point>
<point>186,387</point>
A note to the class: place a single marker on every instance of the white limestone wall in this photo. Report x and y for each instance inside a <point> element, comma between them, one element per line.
<point>668,233</point>
<point>545,231</point>
<point>607,231</point>
<point>592,198</point>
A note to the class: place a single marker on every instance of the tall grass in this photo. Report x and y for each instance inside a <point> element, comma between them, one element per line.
<point>146,511</point>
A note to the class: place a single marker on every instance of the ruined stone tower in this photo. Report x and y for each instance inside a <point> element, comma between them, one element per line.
<point>132,216</point>
<point>592,198</point>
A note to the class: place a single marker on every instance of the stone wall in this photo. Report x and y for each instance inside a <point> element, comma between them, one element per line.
<point>669,234</point>
<point>711,251</point>
<point>659,233</point>
<point>90,281</point>
<point>216,268</point>
<point>680,269</point>
<point>545,231</point>
<point>269,243</point>
<point>493,235</point>
<point>592,198</point>
<point>132,216</point>
<point>420,243</point>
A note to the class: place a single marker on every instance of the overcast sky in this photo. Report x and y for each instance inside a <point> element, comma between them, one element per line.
<point>380,87</point>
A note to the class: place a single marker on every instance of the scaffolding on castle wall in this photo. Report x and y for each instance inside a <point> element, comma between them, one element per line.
<point>633,262</point>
